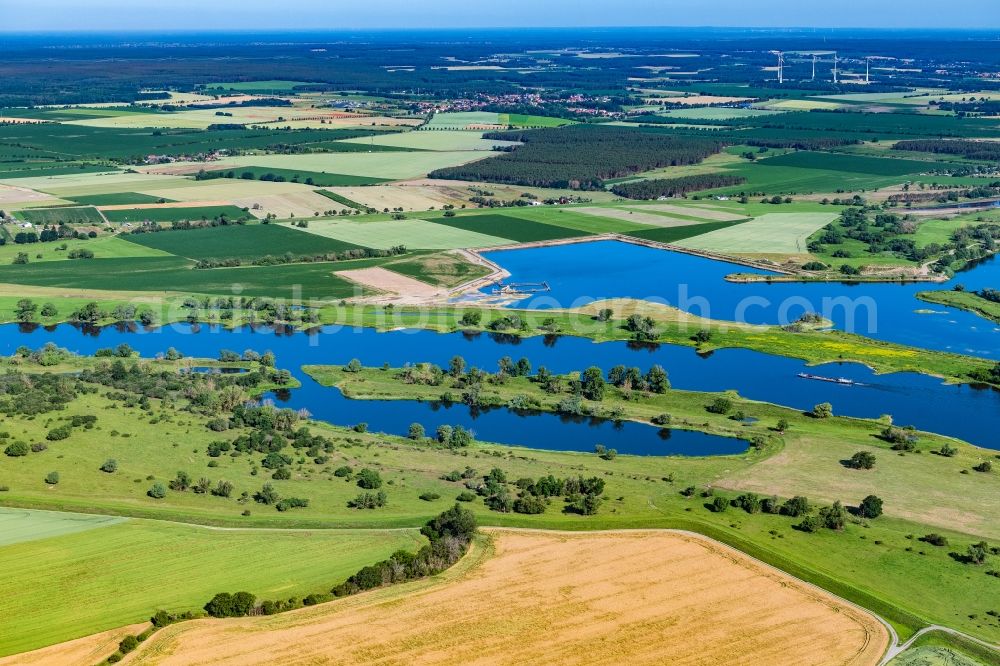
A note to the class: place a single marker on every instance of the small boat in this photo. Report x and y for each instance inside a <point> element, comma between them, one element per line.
<point>833,380</point>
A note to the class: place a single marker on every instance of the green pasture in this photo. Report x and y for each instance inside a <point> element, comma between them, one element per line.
<point>20,525</point>
<point>57,216</point>
<point>507,226</point>
<point>779,233</point>
<point>306,281</point>
<point>522,120</point>
<point>103,247</point>
<point>443,269</point>
<point>316,178</point>
<point>382,164</point>
<point>853,164</point>
<point>443,140</point>
<point>174,214</point>
<point>460,120</point>
<point>674,234</point>
<point>47,169</point>
<point>118,199</point>
<point>122,574</point>
<point>410,233</point>
<point>64,141</point>
<point>238,242</point>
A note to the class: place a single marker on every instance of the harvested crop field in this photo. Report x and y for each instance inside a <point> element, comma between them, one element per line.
<point>409,233</point>
<point>770,233</point>
<point>649,219</point>
<point>703,213</point>
<point>544,597</point>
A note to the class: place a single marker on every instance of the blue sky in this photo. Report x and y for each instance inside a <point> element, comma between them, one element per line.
<point>160,15</point>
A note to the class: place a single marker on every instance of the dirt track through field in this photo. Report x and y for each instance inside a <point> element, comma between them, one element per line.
<point>544,598</point>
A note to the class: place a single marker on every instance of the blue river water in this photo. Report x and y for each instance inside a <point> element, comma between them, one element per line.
<point>583,272</point>
<point>970,413</point>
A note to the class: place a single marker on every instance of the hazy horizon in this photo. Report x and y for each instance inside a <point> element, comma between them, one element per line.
<point>53,16</point>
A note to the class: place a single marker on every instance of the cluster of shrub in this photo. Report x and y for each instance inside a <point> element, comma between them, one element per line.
<point>32,395</point>
<point>529,496</point>
<point>206,394</point>
<point>832,517</point>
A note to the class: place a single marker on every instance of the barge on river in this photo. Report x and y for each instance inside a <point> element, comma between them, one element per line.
<point>833,380</point>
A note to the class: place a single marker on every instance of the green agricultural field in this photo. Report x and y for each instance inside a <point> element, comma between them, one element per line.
<point>443,140</point>
<point>65,141</point>
<point>315,178</point>
<point>522,120</point>
<point>508,226</point>
<point>20,525</point>
<point>382,164</point>
<point>854,164</point>
<point>47,169</point>
<point>305,281</point>
<point>416,234</point>
<point>69,186</point>
<point>174,214</point>
<point>103,247</point>
<point>444,269</point>
<point>57,216</point>
<point>122,574</point>
<point>238,242</point>
<point>778,233</point>
<point>569,217</point>
<point>675,234</point>
<point>462,120</point>
<point>118,199</point>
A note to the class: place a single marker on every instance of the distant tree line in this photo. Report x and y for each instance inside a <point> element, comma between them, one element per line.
<point>580,157</point>
<point>973,150</point>
<point>675,187</point>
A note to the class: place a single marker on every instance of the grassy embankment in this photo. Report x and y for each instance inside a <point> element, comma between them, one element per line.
<point>964,300</point>
<point>673,326</point>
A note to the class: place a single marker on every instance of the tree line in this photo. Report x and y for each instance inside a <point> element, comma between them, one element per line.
<point>675,187</point>
<point>580,157</point>
<point>973,150</point>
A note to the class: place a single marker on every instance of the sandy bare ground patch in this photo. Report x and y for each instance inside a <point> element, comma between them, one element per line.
<point>87,650</point>
<point>410,197</point>
<point>706,213</point>
<point>384,280</point>
<point>636,216</point>
<point>14,194</point>
<point>304,203</point>
<point>558,598</point>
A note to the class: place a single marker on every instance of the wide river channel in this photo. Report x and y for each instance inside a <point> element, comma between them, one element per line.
<point>582,272</point>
